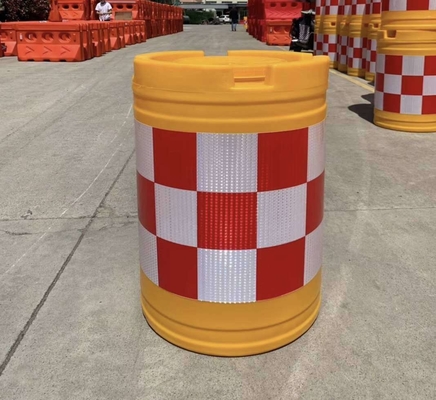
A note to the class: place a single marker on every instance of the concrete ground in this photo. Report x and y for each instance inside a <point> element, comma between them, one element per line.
<point>71,325</point>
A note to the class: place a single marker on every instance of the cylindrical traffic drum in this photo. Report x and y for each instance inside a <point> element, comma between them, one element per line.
<point>372,28</point>
<point>342,47</point>
<point>356,52</point>
<point>230,169</point>
<point>408,14</point>
<point>405,97</point>
<point>344,14</point>
<point>326,38</point>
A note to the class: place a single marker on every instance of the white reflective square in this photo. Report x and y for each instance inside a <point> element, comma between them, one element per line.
<point>393,84</point>
<point>398,5</point>
<point>144,150</point>
<point>227,163</point>
<point>378,100</point>
<point>316,151</point>
<point>411,105</point>
<point>176,215</point>
<point>413,65</point>
<point>429,86</point>
<point>227,276</point>
<point>281,216</point>
<point>381,61</point>
<point>148,254</point>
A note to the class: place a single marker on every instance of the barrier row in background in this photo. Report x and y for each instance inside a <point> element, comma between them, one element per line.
<point>79,39</point>
<point>405,85</point>
<point>346,31</point>
<point>270,21</point>
<point>392,42</point>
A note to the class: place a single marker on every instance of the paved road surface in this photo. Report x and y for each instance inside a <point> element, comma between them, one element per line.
<point>70,321</point>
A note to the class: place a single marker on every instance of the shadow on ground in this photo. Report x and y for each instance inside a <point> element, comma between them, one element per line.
<point>365,110</point>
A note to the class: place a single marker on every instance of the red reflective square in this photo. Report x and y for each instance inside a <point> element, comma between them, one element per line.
<point>146,204</point>
<point>177,268</point>
<point>380,82</point>
<point>227,221</point>
<point>280,269</point>
<point>412,85</point>
<point>392,103</point>
<point>175,159</point>
<point>430,65</point>
<point>394,65</point>
<point>315,203</point>
<point>282,159</point>
<point>429,105</point>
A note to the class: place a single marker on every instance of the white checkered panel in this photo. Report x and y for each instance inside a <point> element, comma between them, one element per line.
<point>144,150</point>
<point>227,276</point>
<point>176,215</point>
<point>227,163</point>
<point>281,216</point>
<point>148,254</point>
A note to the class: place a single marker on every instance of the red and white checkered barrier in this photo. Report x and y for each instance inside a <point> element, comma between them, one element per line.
<point>342,50</point>
<point>409,5</point>
<point>406,84</point>
<point>327,7</point>
<point>356,52</point>
<point>371,56</point>
<point>326,45</point>
<point>375,7</point>
<point>230,218</point>
<point>359,7</point>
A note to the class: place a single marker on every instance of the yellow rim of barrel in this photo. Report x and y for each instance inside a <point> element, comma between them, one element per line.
<point>202,93</point>
<point>405,122</point>
<point>413,20</point>
<point>230,329</point>
<point>406,42</point>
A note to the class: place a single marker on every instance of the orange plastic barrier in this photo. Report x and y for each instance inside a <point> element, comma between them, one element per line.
<point>8,36</point>
<point>74,9</point>
<point>115,40</point>
<point>125,10</point>
<point>284,9</point>
<point>277,33</point>
<point>51,41</point>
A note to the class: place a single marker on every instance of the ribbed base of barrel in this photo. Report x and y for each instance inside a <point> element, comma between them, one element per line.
<point>230,329</point>
<point>342,67</point>
<point>369,76</point>
<point>333,65</point>
<point>405,122</point>
<point>357,72</point>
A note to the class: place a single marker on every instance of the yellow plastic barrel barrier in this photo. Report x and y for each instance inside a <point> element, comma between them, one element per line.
<point>405,97</point>
<point>326,38</point>
<point>409,14</point>
<point>344,31</point>
<point>230,171</point>
<point>372,25</point>
<point>356,53</point>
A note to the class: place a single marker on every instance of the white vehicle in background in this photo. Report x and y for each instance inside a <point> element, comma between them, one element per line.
<point>224,19</point>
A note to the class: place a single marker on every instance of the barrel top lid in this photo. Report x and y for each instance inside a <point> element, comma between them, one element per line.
<point>234,61</point>
<point>194,72</point>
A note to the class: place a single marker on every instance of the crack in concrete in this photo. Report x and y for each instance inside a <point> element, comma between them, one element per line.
<point>44,298</point>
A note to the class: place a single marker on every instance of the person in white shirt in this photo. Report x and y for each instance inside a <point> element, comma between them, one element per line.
<point>104,10</point>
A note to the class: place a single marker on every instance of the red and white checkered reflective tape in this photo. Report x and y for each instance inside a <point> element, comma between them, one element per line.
<point>358,7</point>
<point>409,5</point>
<point>356,52</point>
<point>326,45</point>
<point>230,218</point>
<point>327,7</point>
<point>406,84</point>
<point>375,7</point>
<point>371,55</point>
<point>342,50</point>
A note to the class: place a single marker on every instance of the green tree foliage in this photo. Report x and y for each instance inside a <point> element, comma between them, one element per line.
<point>26,10</point>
